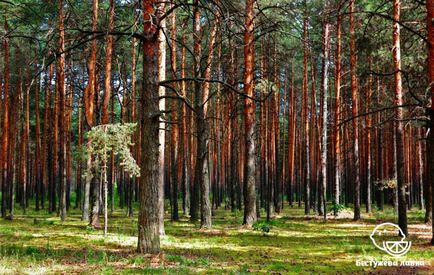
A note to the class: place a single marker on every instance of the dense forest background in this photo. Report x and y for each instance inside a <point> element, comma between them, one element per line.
<point>185,108</point>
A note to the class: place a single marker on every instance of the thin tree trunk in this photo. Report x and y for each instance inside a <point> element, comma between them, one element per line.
<point>368,146</point>
<point>326,50</point>
<point>306,159</point>
<point>5,129</point>
<point>60,82</point>
<point>176,161</point>
<point>162,106</point>
<point>185,139</point>
<point>38,167</point>
<point>337,115</point>
<point>355,112</point>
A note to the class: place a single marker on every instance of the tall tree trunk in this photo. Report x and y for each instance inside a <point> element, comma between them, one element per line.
<point>355,111</point>
<point>106,98</point>
<point>202,167</point>
<point>148,226</point>
<point>89,104</point>
<point>292,117</point>
<point>326,51</point>
<point>45,154</point>
<point>185,139</point>
<point>108,65</point>
<point>399,115</point>
<point>197,38</point>
<point>368,147</point>
<point>38,167</point>
<point>79,191</point>
<point>176,161</point>
<point>162,133</point>
<point>5,127</point>
<point>337,114</point>
<point>306,159</point>
<point>249,118</point>
<point>60,82</point>
<point>421,167</point>
<point>430,142</point>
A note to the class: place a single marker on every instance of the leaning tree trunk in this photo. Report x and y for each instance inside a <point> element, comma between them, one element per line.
<point>148,234</point>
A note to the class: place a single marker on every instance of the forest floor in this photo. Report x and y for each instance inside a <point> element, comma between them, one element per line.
<point>39,243</point>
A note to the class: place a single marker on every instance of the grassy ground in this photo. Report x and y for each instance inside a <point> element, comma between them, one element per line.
<point>39,243</point>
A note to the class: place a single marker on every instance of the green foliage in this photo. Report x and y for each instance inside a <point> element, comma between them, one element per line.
<point>336,207</point>
<point>262,226</point>
<point>108,138</point>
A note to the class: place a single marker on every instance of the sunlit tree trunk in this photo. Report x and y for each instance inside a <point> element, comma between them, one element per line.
<point>249,116</point>
<point>108,65</point>
<point>337,114</point>
<point>326,50</point>
<point>202,106</point>
<point>106,98</point>
<point>399,115</point>
<point>88,102</point>
<point>162,133</point>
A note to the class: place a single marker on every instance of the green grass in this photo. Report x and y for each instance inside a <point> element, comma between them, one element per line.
<point>40,243</point>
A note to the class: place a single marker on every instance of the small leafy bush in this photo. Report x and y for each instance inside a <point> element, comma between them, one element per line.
<point>336,208</point>
<point>262,226</point>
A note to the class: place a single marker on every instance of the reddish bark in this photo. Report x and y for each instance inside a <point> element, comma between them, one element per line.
<point>249,118</point>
